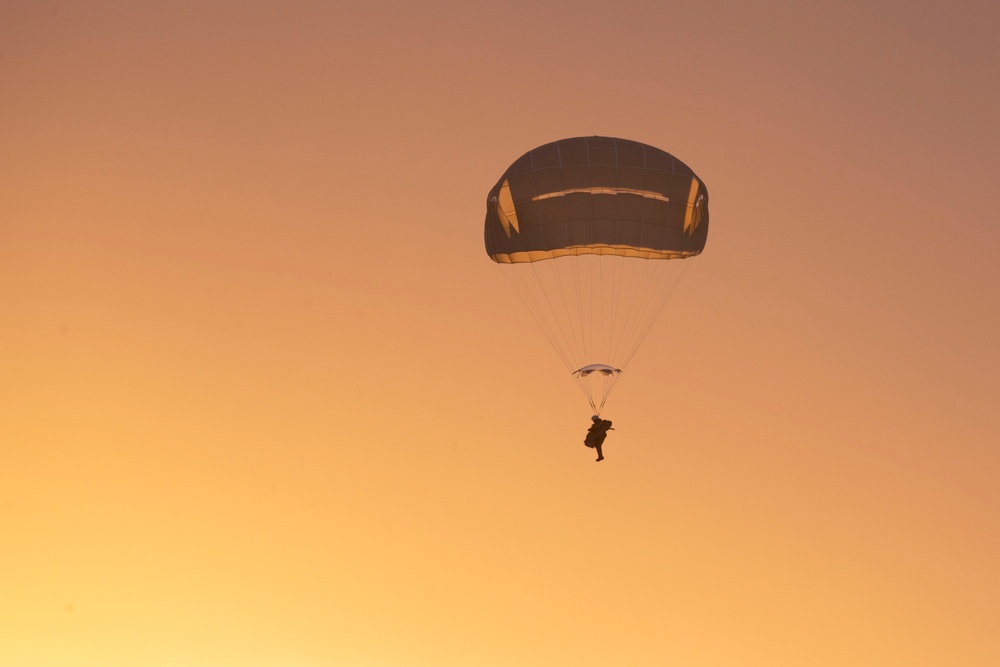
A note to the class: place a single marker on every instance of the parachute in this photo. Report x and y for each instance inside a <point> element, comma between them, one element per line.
<point>585,230</point>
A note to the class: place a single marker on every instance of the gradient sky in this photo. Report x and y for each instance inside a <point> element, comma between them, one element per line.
<point>264,400</point>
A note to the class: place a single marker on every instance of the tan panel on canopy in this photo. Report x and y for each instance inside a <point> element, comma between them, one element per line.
<point>596,195</point>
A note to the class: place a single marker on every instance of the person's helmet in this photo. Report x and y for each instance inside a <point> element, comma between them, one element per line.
<point>595,418</point>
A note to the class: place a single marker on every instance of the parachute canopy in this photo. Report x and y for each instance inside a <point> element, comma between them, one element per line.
<point>581,227</point>
<point>596,195</point>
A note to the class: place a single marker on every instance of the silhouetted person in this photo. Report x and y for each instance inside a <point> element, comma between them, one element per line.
<point>596,434</point>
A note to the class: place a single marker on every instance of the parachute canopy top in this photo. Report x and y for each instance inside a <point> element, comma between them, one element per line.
<point>596,195</point>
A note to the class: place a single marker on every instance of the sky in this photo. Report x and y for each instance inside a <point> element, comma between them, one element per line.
<point>265,401</point>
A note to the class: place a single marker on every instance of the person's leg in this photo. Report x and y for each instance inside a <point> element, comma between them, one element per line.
<point>600,454</point>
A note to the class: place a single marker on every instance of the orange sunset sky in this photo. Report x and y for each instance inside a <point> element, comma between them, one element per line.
<point>266,402</point>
